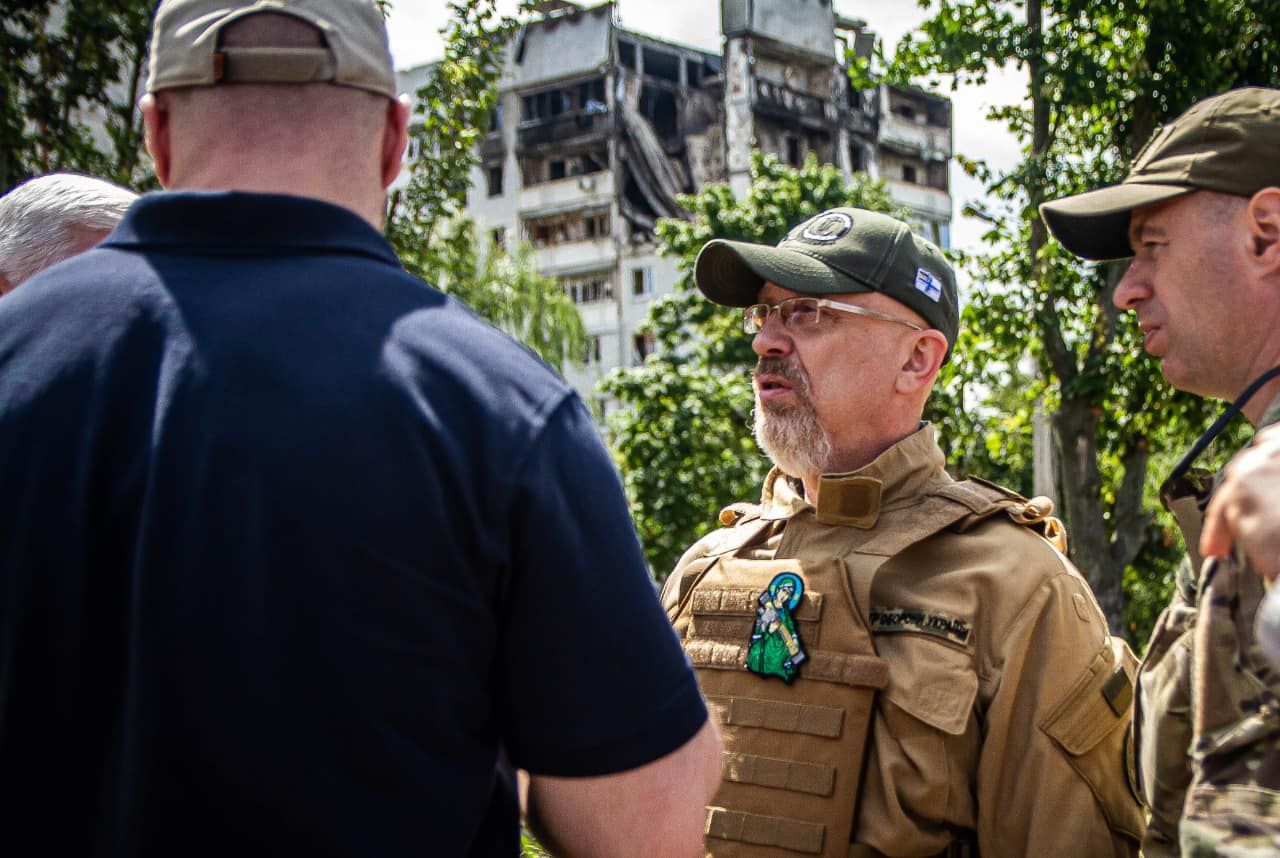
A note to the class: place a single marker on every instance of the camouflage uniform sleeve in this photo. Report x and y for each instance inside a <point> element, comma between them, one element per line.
<point>1054,775</point>
<point>1162,718</point>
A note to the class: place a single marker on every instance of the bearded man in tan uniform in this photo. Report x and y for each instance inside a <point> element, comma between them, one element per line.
<point>902,664</point>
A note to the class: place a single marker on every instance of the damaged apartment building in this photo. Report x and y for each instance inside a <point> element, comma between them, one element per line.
<point>599,129</point>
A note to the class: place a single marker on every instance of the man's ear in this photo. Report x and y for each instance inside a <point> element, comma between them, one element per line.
<point>926,351</point>
<point>395,137</point>
<point>1264,228</point>
<point>155,119</point>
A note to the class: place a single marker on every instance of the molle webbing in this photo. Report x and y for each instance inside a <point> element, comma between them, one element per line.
<point>807,718</point>
<point>853,670</point>
<point>729,613</point>
<point>813,778</point>
<point>793,751</point>
<point>768,831</point>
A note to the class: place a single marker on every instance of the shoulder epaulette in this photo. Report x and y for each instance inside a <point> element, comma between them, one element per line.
<point>738,513</point>
<point>984,499</point>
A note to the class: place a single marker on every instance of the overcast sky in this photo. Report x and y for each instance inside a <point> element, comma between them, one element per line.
<point>415,38</point>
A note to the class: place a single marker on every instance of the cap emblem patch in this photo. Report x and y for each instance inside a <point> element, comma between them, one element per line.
<point>825,228</point>
<point>775,648</point>
<point>929,284</point>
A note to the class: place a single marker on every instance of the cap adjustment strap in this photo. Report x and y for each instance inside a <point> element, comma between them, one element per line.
<point>274,65</point>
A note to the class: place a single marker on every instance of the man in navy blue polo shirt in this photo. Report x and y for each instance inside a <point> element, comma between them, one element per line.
<point>298,555</point>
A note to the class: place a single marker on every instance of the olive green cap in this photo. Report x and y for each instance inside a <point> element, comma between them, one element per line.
<point>844,250</point>
<point>186,49</point>
<point>1229,143</point>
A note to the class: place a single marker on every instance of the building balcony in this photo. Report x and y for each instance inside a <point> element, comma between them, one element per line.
<point>927,202</point>
<point>572,192</point>
<point>930,142</point>
<point>565,128</point>
<point>576,255</point>
<point>782,102</point>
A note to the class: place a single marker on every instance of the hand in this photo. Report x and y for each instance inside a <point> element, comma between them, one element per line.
<point>1245,510</point>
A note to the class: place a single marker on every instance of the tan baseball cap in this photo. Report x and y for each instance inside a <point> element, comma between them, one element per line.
<point>186,49</point>
<point>839,251</point>
<point>1229,143</point>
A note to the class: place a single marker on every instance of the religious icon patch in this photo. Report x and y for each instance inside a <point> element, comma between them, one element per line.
<point>775,648</point>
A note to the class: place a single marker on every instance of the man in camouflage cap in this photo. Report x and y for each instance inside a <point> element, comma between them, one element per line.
<point>1199,213</point>
<point>902,664</point>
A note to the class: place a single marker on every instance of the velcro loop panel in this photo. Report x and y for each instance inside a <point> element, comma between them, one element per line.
<point>824,721</point>
<point>858,671</point>
<point>276,65</point>
<point>745,601</point>
<point>771,831</point>
<point>811,778</point>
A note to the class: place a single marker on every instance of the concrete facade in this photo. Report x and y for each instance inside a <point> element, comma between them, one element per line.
<point>599,129</point>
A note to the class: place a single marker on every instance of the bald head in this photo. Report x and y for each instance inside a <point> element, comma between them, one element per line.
<point>54,217</point>
<point>336,143</point>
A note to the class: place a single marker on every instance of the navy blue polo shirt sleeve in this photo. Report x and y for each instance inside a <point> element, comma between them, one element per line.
<point>593,678</point>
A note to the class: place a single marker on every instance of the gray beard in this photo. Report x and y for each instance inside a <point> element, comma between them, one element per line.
<point>791,435</point>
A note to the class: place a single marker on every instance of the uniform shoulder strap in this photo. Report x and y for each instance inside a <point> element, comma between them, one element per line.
<point>985,499</point>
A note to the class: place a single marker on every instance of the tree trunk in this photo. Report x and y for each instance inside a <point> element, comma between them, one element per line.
<point>1076,425</point>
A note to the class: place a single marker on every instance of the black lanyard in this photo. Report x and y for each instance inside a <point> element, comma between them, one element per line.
<point>1218,425</point>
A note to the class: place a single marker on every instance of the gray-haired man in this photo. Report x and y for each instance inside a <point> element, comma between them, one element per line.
<point>54,217</point>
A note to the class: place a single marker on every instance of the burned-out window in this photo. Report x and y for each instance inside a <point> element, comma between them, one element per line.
<point>493,175</point>
<point>936,175</point>
<point>857,158</point>
<point>938,113</point>
<point>627,54</point>
<point>641,346</point>
<point>596,225</point>
<point>641,282</point>
<point>567,227</point>
<point>792,153</point>
<point>588,288</point>
<point>495,119</point>
<point>662,64</point>
<point>906,111</point>
<point>908,173</point>
<point>534,170</point>
<point>659,107</point>
<point>693,72</point>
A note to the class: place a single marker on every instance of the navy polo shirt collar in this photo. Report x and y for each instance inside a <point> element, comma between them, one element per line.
<point>236,223</point>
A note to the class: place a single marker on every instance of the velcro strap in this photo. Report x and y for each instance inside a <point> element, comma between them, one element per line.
<point>824,721</point>
<point>274,65</point>
<point>745,601</point>
<point>811,778</point>
<point>775,831</point>
<point>858,671</point>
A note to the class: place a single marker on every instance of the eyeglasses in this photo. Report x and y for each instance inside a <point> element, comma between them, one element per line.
<point>804,313</point>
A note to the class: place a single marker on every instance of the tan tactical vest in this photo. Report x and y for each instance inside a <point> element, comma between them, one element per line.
<point>794,752</point>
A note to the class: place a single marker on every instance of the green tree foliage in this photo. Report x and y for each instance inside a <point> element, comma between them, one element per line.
<point>683,434</point>
<point>450,117</point>
<point>425,220</point>
<point>1100,77</point>
<point>505,289</point>
<point>66,68</point>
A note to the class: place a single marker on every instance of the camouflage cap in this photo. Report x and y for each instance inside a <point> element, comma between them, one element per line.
<point>1228,143</point>
<point>844,250</point>
<point>186,49</point>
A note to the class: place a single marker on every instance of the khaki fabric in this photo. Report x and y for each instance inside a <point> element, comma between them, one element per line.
<point>1005,714</point>
<point>1208,718</point>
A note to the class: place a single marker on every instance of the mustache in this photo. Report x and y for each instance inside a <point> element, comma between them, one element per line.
<point>788,369</point>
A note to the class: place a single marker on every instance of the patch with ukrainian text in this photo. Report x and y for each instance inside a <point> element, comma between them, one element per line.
<point>922,621</point>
